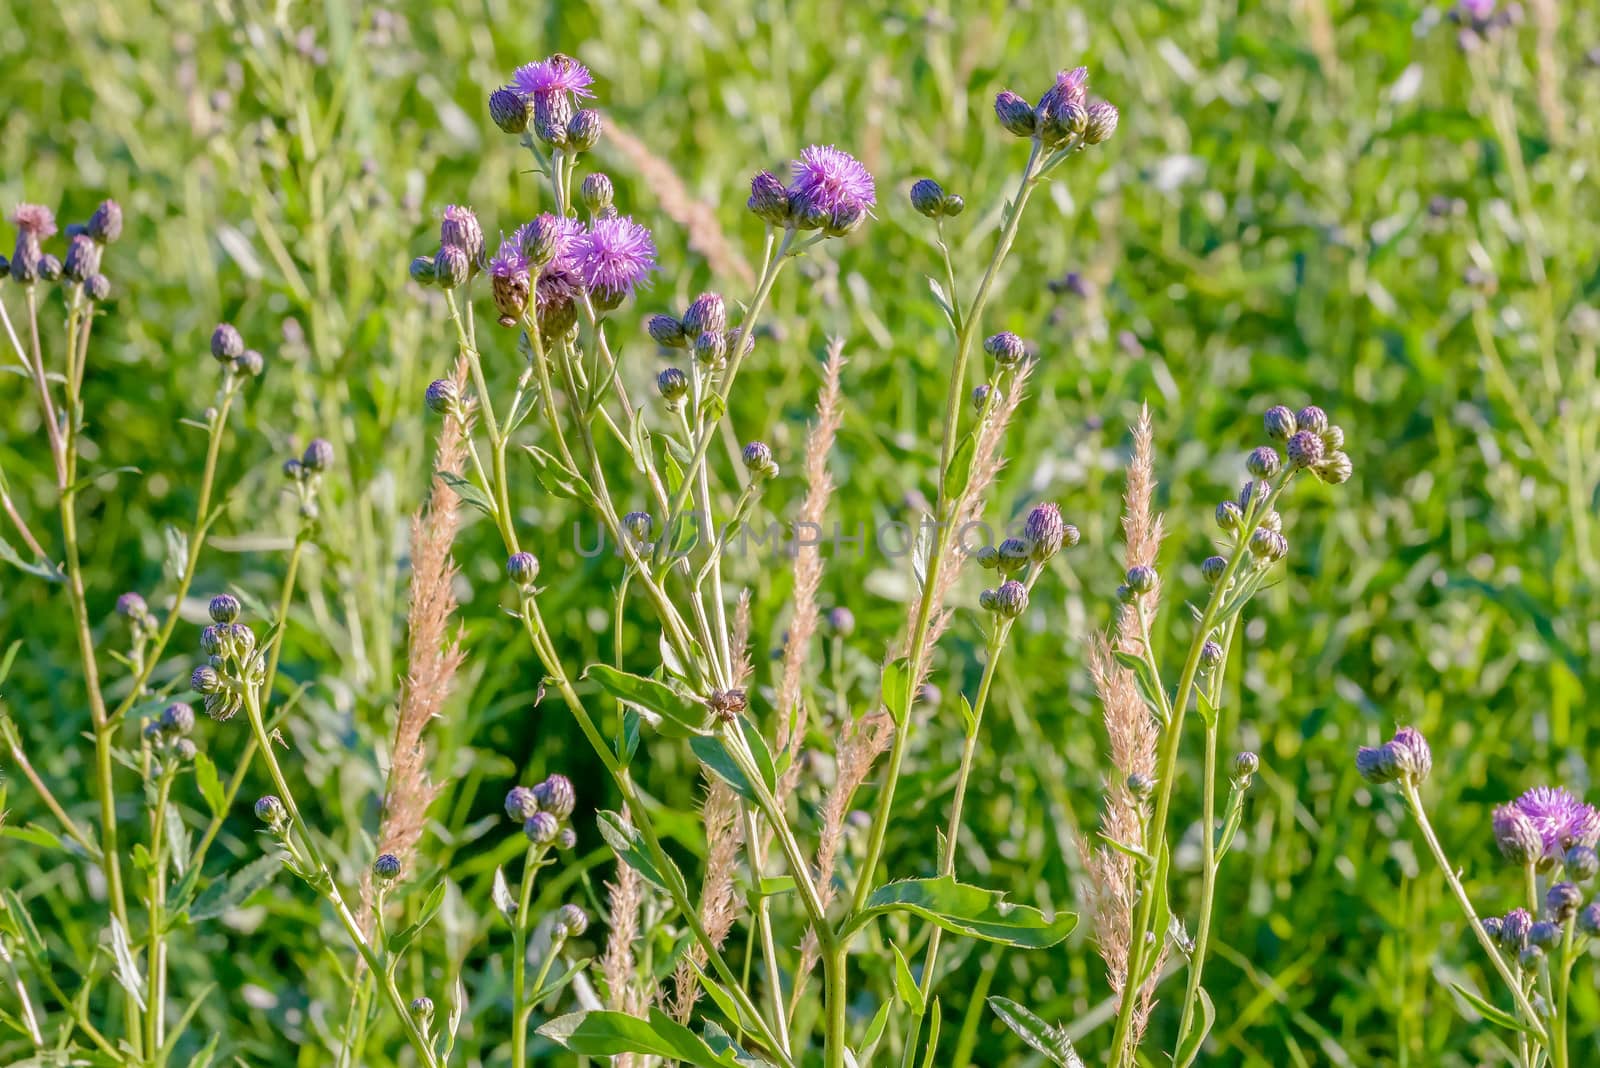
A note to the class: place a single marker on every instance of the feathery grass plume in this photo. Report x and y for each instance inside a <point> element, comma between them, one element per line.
<point>739,641</point>
<point>624,902</point>
<point>719,904</point>
<point>698,218</point>
<point>433,656</point>
<point>808,564</point>
<point>1133,734</point>
<point>1547,18</point>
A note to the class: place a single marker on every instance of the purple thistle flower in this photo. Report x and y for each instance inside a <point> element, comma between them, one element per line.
<point>549,238</point>
<point>1561,819</point>
<point>615,256</point>
<point>557,74</point>
<point>827,180</point>
<point>509,280</point>
<point>460,228</point>
<point>34,223</point>
<point>509,259</point>
<point>35,219</point>
<point>555,298</point>
<point>1519,840</point>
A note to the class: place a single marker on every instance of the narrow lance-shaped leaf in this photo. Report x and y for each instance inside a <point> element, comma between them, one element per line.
<point>969,910</point>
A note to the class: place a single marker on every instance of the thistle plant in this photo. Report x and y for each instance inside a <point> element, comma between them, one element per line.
<point>1547,838</point>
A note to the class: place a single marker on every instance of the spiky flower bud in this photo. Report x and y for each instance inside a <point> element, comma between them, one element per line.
<point>1059,123</point>
<point>1007,348</point>
<point>707,313</point>
<point>986,600</point>
<point>1582,863</point>
<point>451,267</point>
<point>1519,840</point>
<point>758,460</point>
<point>1139,784</point>
<point>1045,531</point>
<point>1101,122</point>
<point>1376,763</point>
<point>224,608</point>
<point>270,810</point>
<point>1335,469</point>
<point>1011,599</point>
<point>667,331</point>
<point>1412,755</point>
<point>1280,423</point>
<point>567,839</point>
<point>1268,545</point>
<point>927,197</point>
<point>1014,555</point>
<point>509,109</point>
<point>226,344</point>
<point>1212,568</point>
<point>522,569</point>
<point>769,200</point>
<point>1015,113</point>
<point>105,225</point>
<point>1543,934</point>
<point>584,129</point>
<point>1305,449</point>
<point>1210,654</point>
<point>556,796</point>
<point>1333,438</point>
<point>1311,418</point>
<point>422,1008</point>
<point>443,396</point>
<point>177,719</point>
<point>213,639</point>
<point>459,228</point>
<point>318,455</point>
<point>97,287</point>
<point>573,920</point>
<point>1229,515</point>
<point>1263,462</point>
<point>727,705</point>
<point>49,268</point>
<point>639,525</point>
<point>83,258</point>
<point>841,621</point>
<point>541,828</point>
<point>672,384</point>
<point>251,363</point>
<point>710,348</point>
<point>1245,766</point>
<point>1589,920</point>
<point>386,869</point>
<point>1563,900</point>
<point>988,557</point>
<point>597,192</point>
<point>185,749</point>
<point>422,271</point>
<point>132,606</point>
<point>1514,928</point>
<point>1141,578</point>
<point>521,804</point>
<point>980,396</point>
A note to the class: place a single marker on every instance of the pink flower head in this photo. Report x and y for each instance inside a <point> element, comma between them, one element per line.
<point>549,238</point>
<point>827,179</point>
<point>1072,86</point>
<point>509,260</point>
<point>557,74</point>
<point>1561,818</point>
<point>615,256</point>
<point>35,219</point>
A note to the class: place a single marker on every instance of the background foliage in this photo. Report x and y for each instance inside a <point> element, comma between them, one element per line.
<point>1259,232</point>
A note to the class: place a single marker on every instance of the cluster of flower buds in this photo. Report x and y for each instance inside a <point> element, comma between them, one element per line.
<point>443,397</point>
<point>758,461</point>
<point>305,474</point>
<point>1310,442</point>
<point>704,332</point>
<point>1064,117</point>
<point>1007,600</point>
<point>227,348</point>
<point>460,255</point>
<point>1044,534</point>
<point>569,921</point>
<point>542,97</point>
<point>831,192</point>
<point>1529,939</point>
<point>169,732</point>
<point>545,811</point>
<point>929,198</point>
<point>233,662</point>
<point>1405,758</point>
<point>86,242</point>
<point>132,607</point>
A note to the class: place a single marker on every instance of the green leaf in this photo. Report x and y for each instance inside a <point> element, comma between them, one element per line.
<point>210,784</point>
<point>960,469</point>
<point>500,894</point>
<point>557,478</point>
<point>21,924</point>
<point>674,714</point>
<point>905,985</point>
<point>127,970</point>
<point>896,687</point>
<point>943,300</point>
<point>231,891</point>
<point>935,1019</point>
<point>468,492</point>
<point>43,569</point>
<point>626,841</point>
<point>1199,1027</point>
<point>1048,1039</point>
<point>717,755</point>
<point>34,834</point>
<point>969,910</point>
<point>607,1034</point>
<point>430,907</point>
<point>1144,677</point>
<point>1496,1016</point>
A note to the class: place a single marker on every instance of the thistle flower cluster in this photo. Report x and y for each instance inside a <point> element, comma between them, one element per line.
<point>829,191</point>
<point>545,812</point>
<point>305,472</point>
<point>228,349</point>
<point>1020,559</point>
<point>1064,118</point>
<point>168,733</point>
<point>233,661</point>
<point>30,263</point>
<point>1405,758</point>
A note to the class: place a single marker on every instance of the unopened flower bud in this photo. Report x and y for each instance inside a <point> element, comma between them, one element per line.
<point>1589,920</point>
<point>1581,863</point>
<point>597,193</point>
<point>573,920</point>
<point>509,109</point>
<point>758,460</point>
<point>769,200</point>
<point>842,621</point>
<point>1007,348</point>
<point>451,267</point>
<point>422,270</point>
<point>422,1008</point>
<point>251,363</point>
<point>667,331</point>
<point>386,869</point>
<point>927,197</point>
<point>1141,579</point>
<point>1514,928</point>
<point>213,639</point>
<point>132,606</point>
<point>459,228</point>
<point>318,455</point>
<point>83,258</point>
<point>1543,934</point>
<point>1376,763</point>
<point>988,557</point>
<point>443,396</point>
<point>226,344</point>
<point>986,600</point>
<point>710,348</point>
<point>980,396</point>
<point>1280,423</point>
<point>1305,449</point>
<point>1210,654</point>
<point>1101,122</point>
<point>1045,531</point>
<point>49,268</point>
<point>556,796</point>
<point>1245,766</point>
<point>541,828</point>
<point>1531,958</point>
<point>1563,900</point>
<point>177,719</point>
<point>583,130</point>
<point>105,225</point>
<point>1140,785</point>
<point>567,839</point>
<point>1015,113</point>
<point>953,205</point>
<point>1014,555</point>
<point>1263,462</point>
<point>1519,840</point>
<point>1229,515</point>
<point>270,810</point>
<point>1268,545</point>
<point>638,524</point>
<point>1412,755</point>
<point>1333,438</point>
<point>1011,599</point>
<point>185,749</point>
<point>845,219</point>
<point>521,804</point>
<point>522,568</point>
<point>97,287</point>
<point>1335,469</point>
<point>1212,568</point>
<point>707,313</point>
<point>224,608</point>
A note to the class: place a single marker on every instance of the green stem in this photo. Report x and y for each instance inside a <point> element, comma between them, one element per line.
<point>156,949</point>
<point>519,963</point>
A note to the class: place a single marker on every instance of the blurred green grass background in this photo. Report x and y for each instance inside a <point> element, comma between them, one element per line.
<point>1258,232</point>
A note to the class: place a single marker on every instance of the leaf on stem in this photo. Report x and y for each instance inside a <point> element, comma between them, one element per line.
<point>608,1034</point>
<point>969,910</point>
<point>672,713</point>
<point>1046,1038</point>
